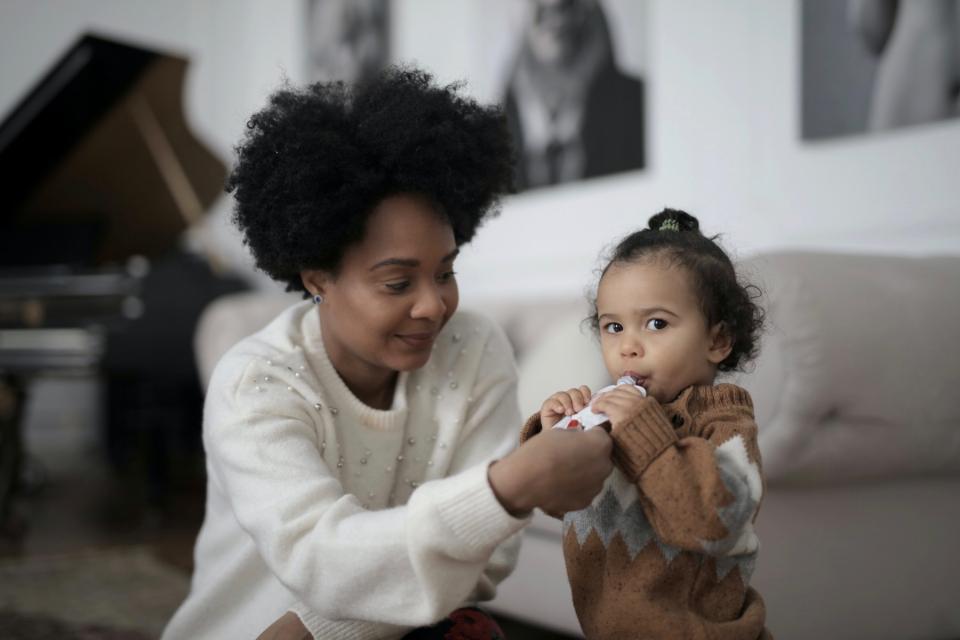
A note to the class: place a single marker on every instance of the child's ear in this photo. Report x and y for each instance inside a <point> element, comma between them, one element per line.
<point>721,343</point>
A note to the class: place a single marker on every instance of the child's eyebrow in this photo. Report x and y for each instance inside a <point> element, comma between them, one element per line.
<point>643,311</point>
<point>652,310</point>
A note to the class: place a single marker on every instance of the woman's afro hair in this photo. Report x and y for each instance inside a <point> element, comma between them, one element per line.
<point>317,160</point>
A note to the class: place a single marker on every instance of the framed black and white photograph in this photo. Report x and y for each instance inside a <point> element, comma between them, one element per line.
<point>346,40</point>
<point>571,76</point>
<point>875,65</point>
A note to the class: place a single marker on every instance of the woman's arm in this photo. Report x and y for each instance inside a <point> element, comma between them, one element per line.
<point>340,560</point>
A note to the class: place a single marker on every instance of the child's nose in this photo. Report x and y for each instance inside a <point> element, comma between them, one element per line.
<point>630,348</point>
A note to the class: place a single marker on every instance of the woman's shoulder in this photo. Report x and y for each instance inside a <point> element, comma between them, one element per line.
<point>469,329</point>
<point>270,354</point>
<point>470,347</point>
<point>471,320</point>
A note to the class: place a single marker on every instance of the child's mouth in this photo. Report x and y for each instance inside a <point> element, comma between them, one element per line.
<point>638,379</point>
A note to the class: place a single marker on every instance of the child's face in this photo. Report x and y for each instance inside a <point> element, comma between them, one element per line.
<point>651,327</point>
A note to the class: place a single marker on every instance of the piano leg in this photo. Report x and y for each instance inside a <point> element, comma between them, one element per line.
<point>11,449</point>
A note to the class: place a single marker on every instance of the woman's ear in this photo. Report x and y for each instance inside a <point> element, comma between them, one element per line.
<point>315,281</point>
<point>721,343</point>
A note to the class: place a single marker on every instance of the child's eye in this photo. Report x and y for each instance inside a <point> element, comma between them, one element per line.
<point>398,287</point>
<point>656,324</point>
<point>613,327</point>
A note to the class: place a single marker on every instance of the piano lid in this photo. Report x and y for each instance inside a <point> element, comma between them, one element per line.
<point>101,143</point>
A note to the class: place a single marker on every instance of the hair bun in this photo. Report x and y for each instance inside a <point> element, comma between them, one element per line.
<point>674,220</point>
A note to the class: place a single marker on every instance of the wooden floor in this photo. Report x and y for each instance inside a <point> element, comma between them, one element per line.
<point>74,501</point>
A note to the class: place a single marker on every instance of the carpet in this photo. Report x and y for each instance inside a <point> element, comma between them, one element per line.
<point>113,593</point>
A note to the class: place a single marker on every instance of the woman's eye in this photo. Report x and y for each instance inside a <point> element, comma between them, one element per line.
<point>447,277</point>
<point>398,286</point>
<point>656,324</point>
<point>613,327</point>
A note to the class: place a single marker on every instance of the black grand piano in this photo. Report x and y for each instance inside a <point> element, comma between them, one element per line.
<point>100,176</point>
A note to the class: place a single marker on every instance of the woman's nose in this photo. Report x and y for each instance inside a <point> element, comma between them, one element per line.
<point>429,304</point>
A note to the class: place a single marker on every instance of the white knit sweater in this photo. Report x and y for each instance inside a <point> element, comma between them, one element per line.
<point>365,522</point>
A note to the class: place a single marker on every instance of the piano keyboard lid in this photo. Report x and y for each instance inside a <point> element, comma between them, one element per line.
<point>98,158</point>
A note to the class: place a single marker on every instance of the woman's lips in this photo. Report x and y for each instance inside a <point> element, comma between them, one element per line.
<point>418,340</point>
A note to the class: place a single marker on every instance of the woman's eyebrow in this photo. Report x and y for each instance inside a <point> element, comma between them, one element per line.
<point>411,262</point>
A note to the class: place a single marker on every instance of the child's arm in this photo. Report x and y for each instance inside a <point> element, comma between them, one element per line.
<point>700,492</point>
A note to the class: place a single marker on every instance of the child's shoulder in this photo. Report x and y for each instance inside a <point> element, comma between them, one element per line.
<point>707,396</point>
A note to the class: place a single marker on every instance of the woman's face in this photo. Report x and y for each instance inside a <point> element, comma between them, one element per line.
<point>393,293</point>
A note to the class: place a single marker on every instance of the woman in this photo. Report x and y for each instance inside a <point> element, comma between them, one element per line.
<point>361,482</point>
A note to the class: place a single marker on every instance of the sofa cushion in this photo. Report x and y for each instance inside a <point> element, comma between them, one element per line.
<point>859,369</point>
<point>231,318</point>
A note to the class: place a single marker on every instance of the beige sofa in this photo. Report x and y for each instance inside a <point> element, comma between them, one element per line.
<point>857,392</point>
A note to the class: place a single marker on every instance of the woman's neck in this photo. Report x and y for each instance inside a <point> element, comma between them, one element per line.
<point>373,386</point>
<point>377,396</point>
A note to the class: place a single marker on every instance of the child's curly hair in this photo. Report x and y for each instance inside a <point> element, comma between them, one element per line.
<point>674,236</point>
<point>316,161</point>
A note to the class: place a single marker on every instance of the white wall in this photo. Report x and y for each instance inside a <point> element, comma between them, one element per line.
<point>723,117</point>
<point>723,122</point>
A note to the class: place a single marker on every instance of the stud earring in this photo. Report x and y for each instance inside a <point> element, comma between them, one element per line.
<point>317,299</point>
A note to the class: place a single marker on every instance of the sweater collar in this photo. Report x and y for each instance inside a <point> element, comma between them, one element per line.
<point>337,390</point>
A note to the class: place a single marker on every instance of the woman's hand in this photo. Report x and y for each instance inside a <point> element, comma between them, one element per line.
<point>557,471</point>
<point>287,627</point>
<point>620,404</point>
<point>563,403</point>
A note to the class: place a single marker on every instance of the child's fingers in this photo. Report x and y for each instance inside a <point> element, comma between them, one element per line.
<point>561,403</point>
<point>627,390</point>
<point>585,395</point>
<point>579,398</point>
<point>616,401</point>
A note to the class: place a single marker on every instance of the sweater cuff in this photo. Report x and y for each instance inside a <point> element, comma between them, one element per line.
<point>641,440</point>
<point>530,428</point>
<point>469,508</point>
<point>319,627</point>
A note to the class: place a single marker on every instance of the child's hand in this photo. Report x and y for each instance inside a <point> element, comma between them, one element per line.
<point>563,403</point>
<point>620,404</point>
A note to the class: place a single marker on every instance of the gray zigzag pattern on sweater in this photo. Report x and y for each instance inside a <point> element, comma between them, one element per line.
<point>735,515</point>
<point>746,563</point>
<point>608,518</point>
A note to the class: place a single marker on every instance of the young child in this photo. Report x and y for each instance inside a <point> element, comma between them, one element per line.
<point>667,548</point>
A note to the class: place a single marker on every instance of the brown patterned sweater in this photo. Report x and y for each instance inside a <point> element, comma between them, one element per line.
<point>666,549</point>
